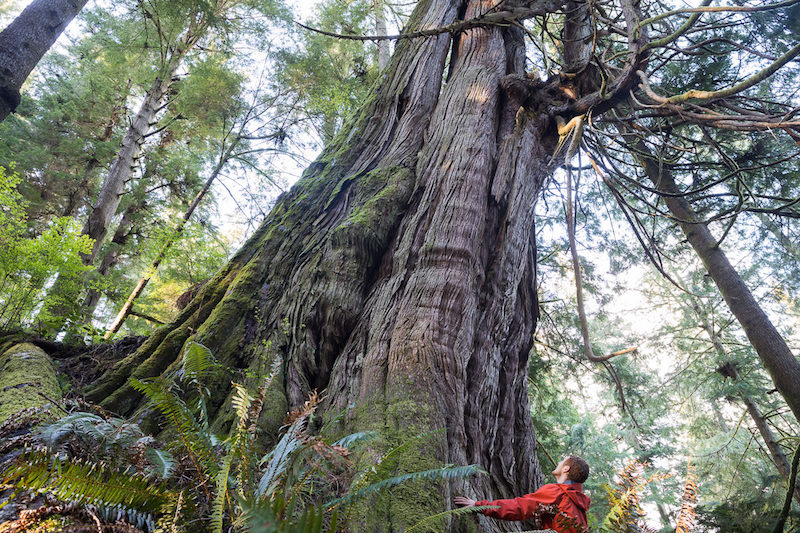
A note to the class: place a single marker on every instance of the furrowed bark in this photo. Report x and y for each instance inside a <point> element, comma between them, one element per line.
<point>778,359</point>
<point>327,232</point>
<point>25,41</point>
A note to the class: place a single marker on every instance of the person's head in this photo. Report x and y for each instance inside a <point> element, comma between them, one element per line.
<point>571,468</point>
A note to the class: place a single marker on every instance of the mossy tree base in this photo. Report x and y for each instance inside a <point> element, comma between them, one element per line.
<point>27,380</point>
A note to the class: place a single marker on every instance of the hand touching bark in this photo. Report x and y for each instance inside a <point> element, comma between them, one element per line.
<point>463,501</point>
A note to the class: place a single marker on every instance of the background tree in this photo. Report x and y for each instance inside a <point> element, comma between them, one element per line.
<point>25,41</point>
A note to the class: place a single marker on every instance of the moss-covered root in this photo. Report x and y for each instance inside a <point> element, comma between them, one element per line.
<point>27,375</point>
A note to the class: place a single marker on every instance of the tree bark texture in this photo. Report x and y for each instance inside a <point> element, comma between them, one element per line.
<point>25,41</point>
<point>781,364</point>
<point>399,272</point>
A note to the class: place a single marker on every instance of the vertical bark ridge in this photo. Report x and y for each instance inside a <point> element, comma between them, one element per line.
<point>458,303</point>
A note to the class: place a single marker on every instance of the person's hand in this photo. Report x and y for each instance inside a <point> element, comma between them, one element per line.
<point>463,501</point>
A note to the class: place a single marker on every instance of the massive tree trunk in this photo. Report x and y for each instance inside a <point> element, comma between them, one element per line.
<point>778,359</point>
<point>403,266</point>
<point>25,41</point>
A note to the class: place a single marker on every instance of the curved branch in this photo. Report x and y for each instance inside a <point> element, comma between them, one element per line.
<point>498,18</point>
<point>718,9</point>
<point>587,347</point>
<point>677,33</point>
<point>722,93</point>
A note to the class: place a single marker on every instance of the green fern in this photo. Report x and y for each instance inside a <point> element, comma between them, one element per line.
<point>218,507</point>
<point>127,495</point>
<point>445,473</point>
<point>461,511</point>
<point>197,363</point>
<point>109,431</point>
<point>355,439</point>
<point>279,457</point>
<point>194,435</point>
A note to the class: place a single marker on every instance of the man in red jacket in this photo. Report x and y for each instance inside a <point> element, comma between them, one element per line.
<point>560,506</point>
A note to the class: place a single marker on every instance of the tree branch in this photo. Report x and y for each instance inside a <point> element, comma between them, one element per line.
<point>498,18</point>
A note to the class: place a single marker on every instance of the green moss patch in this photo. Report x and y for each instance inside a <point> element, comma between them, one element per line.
<point>26,371</point>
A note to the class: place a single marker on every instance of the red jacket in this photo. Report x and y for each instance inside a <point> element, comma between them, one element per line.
<point>568,498</point>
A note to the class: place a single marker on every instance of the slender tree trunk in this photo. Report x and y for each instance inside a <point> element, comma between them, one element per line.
<point>729,370</point>
<point>105,208</point>
<point>398,273</point>
<point>78,196</point>
<point>111,258</point>
<point>123,313</point>
<point>25,41</point>
<point>384,48</point>
<point>772,349</point>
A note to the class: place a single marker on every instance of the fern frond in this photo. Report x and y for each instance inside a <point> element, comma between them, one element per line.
<point>278,458</point>
<point>104,431</point>
<point>218,507</point>
<point>194,437</point>
<point>241,401</point>
<point>445,473</point>
<point>626,514</point>
<point>85,482</point>
<point>162,462</point>
<point>198,362</point>
<point>452,512</point>
<point>688,501</point>
<point>354,439</point>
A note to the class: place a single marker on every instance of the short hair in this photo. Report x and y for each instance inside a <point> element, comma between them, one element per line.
<point>578,468</point>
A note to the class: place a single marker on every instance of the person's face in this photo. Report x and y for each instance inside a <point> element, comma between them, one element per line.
<point>561,469</point>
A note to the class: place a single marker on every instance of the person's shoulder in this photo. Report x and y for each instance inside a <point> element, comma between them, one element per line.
<point>548,487</point>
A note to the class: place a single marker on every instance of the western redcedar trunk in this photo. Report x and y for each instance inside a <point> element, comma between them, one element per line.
<point>398,273</point>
